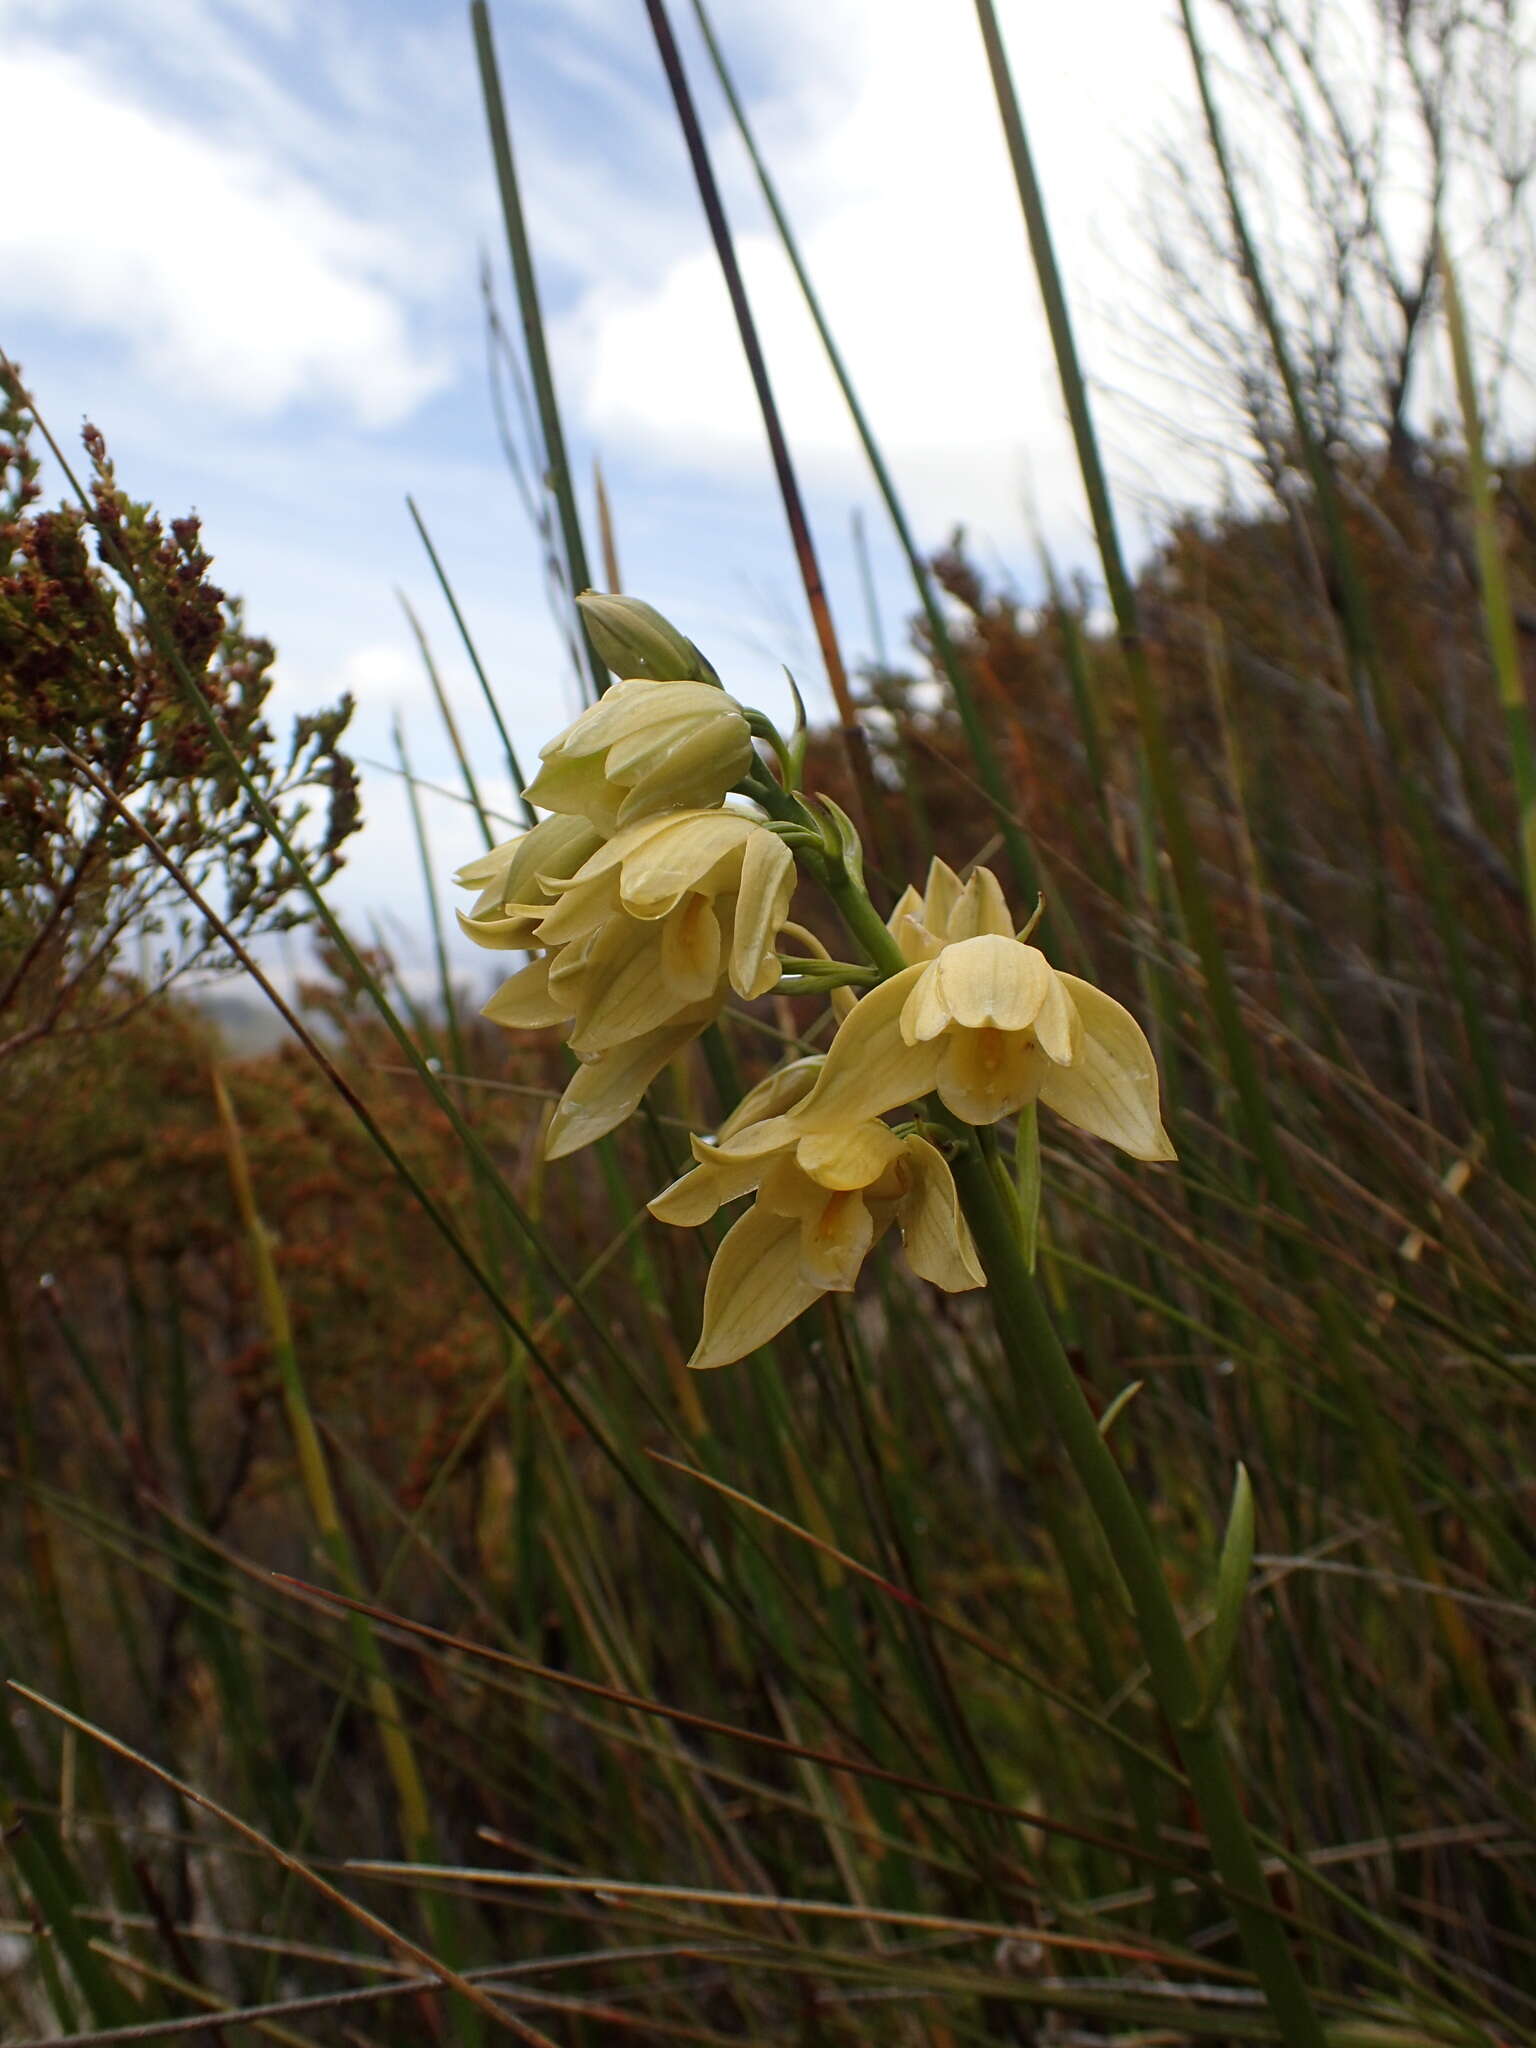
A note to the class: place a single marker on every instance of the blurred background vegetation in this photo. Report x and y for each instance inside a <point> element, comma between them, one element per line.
<point>788,1693</point>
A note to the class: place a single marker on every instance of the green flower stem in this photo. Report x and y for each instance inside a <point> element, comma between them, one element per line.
<point>1035,1353</point>
<point>863,920</point>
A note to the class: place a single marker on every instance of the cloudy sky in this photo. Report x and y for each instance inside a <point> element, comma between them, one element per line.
<point>249,253</point>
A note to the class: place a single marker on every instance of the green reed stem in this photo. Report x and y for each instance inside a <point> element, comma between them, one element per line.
<point>514,767</point>
<point>1035,1354</point>
<point>450,726</point>
<point>855,742</point>
<point>557,465</point>
<point>416,1827</point>
<point>1498,612</point>
<point>982,744</point>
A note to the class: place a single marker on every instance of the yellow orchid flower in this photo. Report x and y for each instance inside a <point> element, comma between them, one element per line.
<point>640,947</point>
<point>642,748</point>
<point>990,1024</point>
<point>824,1198</point>
<point>668,914</point>
<point>514,881</point>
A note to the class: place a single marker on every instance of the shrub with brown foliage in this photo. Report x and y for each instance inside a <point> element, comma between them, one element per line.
<point>93,701</point>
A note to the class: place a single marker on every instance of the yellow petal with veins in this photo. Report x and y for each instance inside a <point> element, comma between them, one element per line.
<point>755,1288</point>
<point>1058,1026</point>
<point>870,1067</point>
<point>781,1090</point>
<point>718,1178</point>
<point>835,1243</point>
<point>526,1003</point>
<point>905,925</point>
<point>580,907</point>
<point>836,1227</point>
<point>762,904</point>
<point>942,893</point>
<point>982,910</point>
<point>690,950</point>
<point>623,987</point>
<point>681,856</point>
<point>1110,1090</point>
<point>604,1091</point>
<point>937,1238</point>
<point>987,982</point>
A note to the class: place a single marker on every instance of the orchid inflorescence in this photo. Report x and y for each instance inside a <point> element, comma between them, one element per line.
<point>661,883</point>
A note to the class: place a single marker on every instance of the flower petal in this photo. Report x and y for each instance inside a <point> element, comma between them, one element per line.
<point>848,1155</point>
<point>755,1288</point>
<point>624,988</point>
<point>836,1226</point>
<point>1110,1090</point>
<point>762,904</point>
<point>1058,1027</point>
<point>490,866</point>
<point>835,1242</point>
<point>695,1196</point>
<point>661,867</point>
<point>604,1091</point>
<point>580,907</point>
<point>690,949</point>
<point>940,896</point>
<point>525,1003</point>
<point>555,845</point>
<point>694,770</point>
<point>925,1014</point>
<point>776,1092</point>
<point>870,1067</point>
<point>506,928</point>
<point>982,910</point>
<point>575,784</point>
<point>937,1237</point>
<point>991,982</point>
<point>906,927</point>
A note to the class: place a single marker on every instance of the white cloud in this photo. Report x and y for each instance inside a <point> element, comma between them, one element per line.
<point>225,277</point>
<point>894,170</point>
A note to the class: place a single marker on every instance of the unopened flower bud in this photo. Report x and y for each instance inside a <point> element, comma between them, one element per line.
<point>633,639</point>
